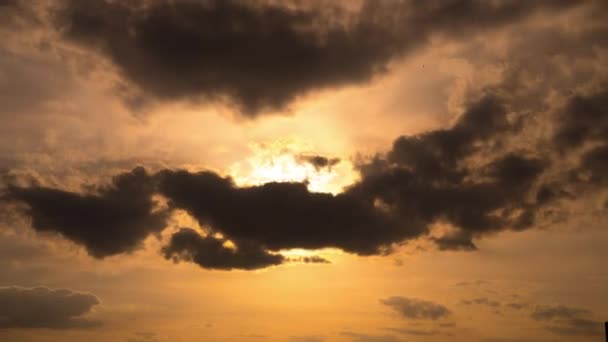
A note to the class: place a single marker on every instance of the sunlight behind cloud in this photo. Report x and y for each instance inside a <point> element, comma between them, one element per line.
<point>282,161</point>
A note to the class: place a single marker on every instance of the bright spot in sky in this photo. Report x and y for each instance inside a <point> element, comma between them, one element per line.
<point>282,161</point>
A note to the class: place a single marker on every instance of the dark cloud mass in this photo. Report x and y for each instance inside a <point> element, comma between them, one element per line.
<point>262,55</point>
<point>109,220</point>
<point>42,307</point>
<point>281,215</point>
<point>211,253</point>
<point>412,308</point>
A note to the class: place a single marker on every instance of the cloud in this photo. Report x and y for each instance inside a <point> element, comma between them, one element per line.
<point>312,259</point>
<point>211,253</point>
<point>424,178</point>
<point>584,119</point>
<point>107,220</point>
<point>41,307</point>
<point>567,321</point>
<point>263,55</point>
<point>577,327</point>
<point>466,176</point>
<point>485,173</point>
<point>320,162</point>
<point>482,301</point>
<point>545,313</point>
<point>412,308</point>
<point>281,215</point>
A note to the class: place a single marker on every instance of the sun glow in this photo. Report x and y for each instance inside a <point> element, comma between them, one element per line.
<point>283,161</point>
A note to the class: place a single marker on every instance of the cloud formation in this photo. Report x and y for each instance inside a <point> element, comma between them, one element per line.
<point>41,307</point>
<point>487,172</point>
<point>212,253</point>
<point>417,309</point>
<point>466,176</point>
<point>262,55</point>
<point>107,220</point>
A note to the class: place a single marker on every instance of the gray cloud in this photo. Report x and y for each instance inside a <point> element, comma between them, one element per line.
<point>41,307</point>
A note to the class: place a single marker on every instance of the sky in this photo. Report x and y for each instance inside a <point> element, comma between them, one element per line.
<point>303,171</point>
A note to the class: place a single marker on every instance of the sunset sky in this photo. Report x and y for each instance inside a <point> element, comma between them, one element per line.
<point>303,170</point>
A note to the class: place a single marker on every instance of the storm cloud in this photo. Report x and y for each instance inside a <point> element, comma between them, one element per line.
<point>41,307</point>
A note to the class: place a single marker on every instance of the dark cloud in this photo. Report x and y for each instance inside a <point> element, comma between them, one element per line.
<point>313,259</point>
<point>584,119</point>
<point>281,215</point>
<point>412,308</point>
<point>320,162</point>
<point>211,253</point>
<point>426,178</point>
<point>262,55</point>
<point>41,307</point>
<point>107,220</point>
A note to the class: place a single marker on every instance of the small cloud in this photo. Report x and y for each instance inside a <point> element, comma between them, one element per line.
<point>320,162</point>
<point>547,312</point>
<point>412,308</point>
<point>312,259</point>
<point>481,301</point>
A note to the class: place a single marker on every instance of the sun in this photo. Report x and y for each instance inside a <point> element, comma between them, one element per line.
<point>282,162</point>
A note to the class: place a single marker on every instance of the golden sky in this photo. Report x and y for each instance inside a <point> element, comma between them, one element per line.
<point>259,170</point>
